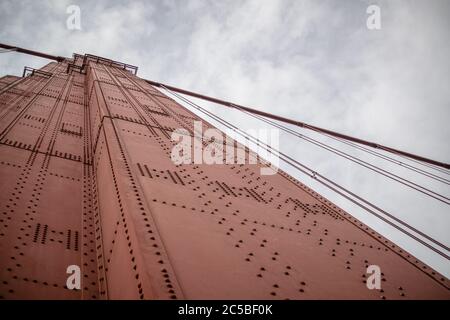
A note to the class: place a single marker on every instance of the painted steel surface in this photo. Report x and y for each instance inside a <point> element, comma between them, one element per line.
<point>86,179</point>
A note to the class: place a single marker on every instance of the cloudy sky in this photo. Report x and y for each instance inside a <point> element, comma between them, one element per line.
<point>314,61</point>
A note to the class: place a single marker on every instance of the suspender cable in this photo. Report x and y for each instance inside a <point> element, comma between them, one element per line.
<point>327,182</point>
<point>396,161</point>
<point>354,159</point>
<point>437,168</point>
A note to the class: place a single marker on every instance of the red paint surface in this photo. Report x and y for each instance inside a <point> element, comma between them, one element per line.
<point>86,178</point>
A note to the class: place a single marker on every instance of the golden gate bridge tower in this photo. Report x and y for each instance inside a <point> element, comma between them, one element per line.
<point>87,180</point>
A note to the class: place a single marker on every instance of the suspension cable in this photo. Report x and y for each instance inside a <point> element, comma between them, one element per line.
<point>32,52</point>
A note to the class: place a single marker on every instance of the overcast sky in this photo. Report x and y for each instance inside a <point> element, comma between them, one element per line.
<point>314,61</point>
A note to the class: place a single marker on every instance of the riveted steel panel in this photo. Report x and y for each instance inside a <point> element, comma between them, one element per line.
<point>87,179</point>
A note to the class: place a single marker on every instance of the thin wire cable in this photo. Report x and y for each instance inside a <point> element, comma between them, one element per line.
<point>429,165</point>
<point>354,159</point>
<point>345,193</point>
<point>395,161</point>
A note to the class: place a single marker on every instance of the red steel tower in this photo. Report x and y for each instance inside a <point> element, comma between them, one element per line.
<point>86,179</point>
